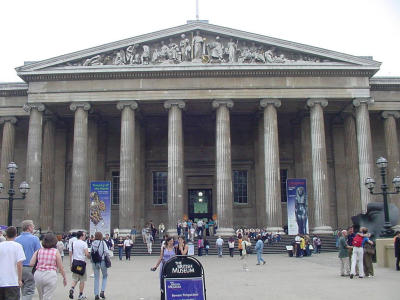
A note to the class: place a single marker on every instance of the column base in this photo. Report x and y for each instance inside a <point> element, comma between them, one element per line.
<point>322,230</point>
<point>276,229</point>
<point>225,232</point>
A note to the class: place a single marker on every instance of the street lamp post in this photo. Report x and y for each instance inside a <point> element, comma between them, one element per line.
<point>382,163</point>
<point>12,168</point>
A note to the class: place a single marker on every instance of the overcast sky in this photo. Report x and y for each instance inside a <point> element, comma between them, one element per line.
<point>40,29</point>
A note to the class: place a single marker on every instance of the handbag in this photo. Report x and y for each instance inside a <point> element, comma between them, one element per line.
<point>107,261</point>
<point>369,249</point>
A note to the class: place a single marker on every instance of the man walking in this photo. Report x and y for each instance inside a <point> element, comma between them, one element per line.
<point>30,244</point>
<point>344,254</point>
<point>11,258</point>
<point>79,253</point>
<point>259,250</point>
<point>219,243</point>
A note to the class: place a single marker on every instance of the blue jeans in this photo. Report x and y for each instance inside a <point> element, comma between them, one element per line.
<point>219,250</point>
<point>259,258</point>
<point>96,270</point>
<point>120,252</point>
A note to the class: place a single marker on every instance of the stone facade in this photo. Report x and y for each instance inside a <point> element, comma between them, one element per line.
<point>198,102</point>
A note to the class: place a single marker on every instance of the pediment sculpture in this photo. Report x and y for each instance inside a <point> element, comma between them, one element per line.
<point>199,48</point>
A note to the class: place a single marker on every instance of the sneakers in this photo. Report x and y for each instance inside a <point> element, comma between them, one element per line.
<point>102,295</point>
<point>351,276</point>
<point>257,264</point>
<point>82,297</point>
<point>97,297</point>
<point>264,262</point>
<point>71,294</point>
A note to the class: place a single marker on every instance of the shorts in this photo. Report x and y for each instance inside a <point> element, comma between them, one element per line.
<point>9,293</point>
<point>77,277</point>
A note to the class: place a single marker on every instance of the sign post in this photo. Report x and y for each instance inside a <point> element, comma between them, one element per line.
<point>183,279</point>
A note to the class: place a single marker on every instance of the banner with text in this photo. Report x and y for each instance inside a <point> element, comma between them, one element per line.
<point>100,207</point>
<point>297,206</point>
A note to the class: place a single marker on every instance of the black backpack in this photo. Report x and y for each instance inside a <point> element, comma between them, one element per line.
<point>95,255</point>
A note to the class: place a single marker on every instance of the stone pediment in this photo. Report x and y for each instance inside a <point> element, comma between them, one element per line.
<point>195,46</point>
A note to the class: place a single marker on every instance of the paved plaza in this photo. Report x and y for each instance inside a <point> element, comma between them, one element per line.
<point>281,278</point>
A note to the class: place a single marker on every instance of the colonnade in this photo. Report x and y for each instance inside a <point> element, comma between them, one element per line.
<point>358,154</point>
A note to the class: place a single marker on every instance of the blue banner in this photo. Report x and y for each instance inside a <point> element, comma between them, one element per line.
<point>184,289</point>
<point>100,207</point>
<point>297,206</point>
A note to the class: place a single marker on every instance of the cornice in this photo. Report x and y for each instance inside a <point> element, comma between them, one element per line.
<point>385,83</point>
<point>10,89</point>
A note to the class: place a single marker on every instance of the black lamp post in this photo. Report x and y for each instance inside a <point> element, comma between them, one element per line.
<point>12,168</point>
<point>370,184</point>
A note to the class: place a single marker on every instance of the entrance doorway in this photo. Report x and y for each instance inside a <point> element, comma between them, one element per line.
<point>200,204</point>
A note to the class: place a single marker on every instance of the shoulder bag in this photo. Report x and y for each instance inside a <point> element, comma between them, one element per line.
<point>78,266</point>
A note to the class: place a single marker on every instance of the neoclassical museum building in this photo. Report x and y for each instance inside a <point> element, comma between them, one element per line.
<point>198,113</point>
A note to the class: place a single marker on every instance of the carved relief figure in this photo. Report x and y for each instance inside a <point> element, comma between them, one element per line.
<point>216,50</point>
<point>120,58</point>
<point>146,55</point>
<point>131,52</point>
<point>173,51</point>
<point>197,44</point>
<point>96,60</point>
<point>185,48</point>
<point>232,48</point>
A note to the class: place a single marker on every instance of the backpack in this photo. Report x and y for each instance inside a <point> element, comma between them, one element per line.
<point>95,255</point>
<point>357,241</point>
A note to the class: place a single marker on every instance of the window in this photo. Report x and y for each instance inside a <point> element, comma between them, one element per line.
<point>160,180</point>
<point>115,187</point>
<point>283,185</point>
<point>240,187</point>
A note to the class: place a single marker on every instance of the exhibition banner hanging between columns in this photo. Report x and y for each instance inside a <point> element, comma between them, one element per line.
<point>100,207</point>
<point>297,206</point>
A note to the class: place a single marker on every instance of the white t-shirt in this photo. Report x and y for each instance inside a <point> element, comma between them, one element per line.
<point>128,243</point>
<point>78,252</point>
<point>70,241</point>
<point>219,242</point>
<point>10,253</point>
<point>60,247</point>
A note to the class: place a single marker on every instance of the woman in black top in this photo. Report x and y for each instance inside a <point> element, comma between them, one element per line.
<point>182,248</point>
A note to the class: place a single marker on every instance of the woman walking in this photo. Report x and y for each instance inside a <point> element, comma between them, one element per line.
<point>245,246</point>
<point>128,243</point>
<point>231,245</point>
<point>167,252</point>
<point>60,247</point>
<point>101,248</point>
<point>206,245</point>
<point>200,246</point>
<point>48,259</point>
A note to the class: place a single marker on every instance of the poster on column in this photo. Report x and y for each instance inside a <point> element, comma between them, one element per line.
<point>297,206</point>
<point>100,207</point>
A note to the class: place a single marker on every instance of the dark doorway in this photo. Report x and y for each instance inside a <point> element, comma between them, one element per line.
<point>200,204</point>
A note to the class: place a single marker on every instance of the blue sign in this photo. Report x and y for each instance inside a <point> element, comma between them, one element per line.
<point>297,206</point>
<point>184,289</point>
<point>100,207</point>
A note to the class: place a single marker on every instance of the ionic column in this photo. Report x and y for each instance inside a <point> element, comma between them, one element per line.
<point>224,167</point>
<point>34,161</point>
<point>127,166</point>
<point>352,170</point>
<point>7,156</point>
<point>392,149</point>
<point>319,166</point>
<point>365,154</point>
<point>48,175</point>
<point>79,166</point>
<point>271,166</point>
<point>175,163</point>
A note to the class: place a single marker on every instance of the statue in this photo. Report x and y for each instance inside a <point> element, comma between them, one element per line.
<point>301,210</point>
<point>269,55</point>
<point>185,48</point>
<point>132,55</point>
<point>216,50</point>
<point>245,54</point>
<point>120,58</point>
<point>146,55</point>
<point>164,51</point>
<point>232,48</point>
<point>197,44</point>
<point>173,51</point>
<point>96,60</point>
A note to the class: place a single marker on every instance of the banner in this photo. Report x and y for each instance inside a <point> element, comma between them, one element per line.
<point>297,206</point>
<point>100,207</point>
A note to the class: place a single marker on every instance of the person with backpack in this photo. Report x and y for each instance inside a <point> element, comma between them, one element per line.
<point>98,256</point>
<point>358,255</point>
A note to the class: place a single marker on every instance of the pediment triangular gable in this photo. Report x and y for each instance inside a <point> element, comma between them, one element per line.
<point>198,44</point>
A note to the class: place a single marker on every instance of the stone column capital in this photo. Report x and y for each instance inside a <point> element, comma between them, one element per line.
<point>132,104</point>
<point>390,113</point>
<point>358,101</point>
<point>75,105</point>
<point>29,106</point>
<point>265,102</point>
<point>169,103</point>
<point>218,103</point>
<point>311,102</point>
<point>12,120</point>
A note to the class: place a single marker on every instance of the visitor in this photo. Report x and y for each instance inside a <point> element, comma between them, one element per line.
<point>167,252</point>
<point>200,245</point>
<point>30,243</point>
<point>79,254</point>
<point>161,230</point>
<point>60,247</point>
<point>110,245</point>
<point>192,231</point>
<point>149,243</point>
<point>101,248</point>
<point>259,250</point>
<point>128,243</point>
<point>70,241</point>
<point>179,227</point>
<point>47,260</point>
<point>245,253</point>
<point>302,245</point>
<point>206,229</point>
<point>240,240</point>
<point>144,232</point>
<point>219,243</point>
<point>211,227</point>
<point>369,251</point>
<point>133,234</point>
<point>182,248</point>
<point>397,249</point>
<point>231,246</point>
<point>120,245</point>
<point>344,254</point>
<point>2,238</point>
<point>11,259</point>
<point>318,243</point>
<point>206,246</point>
<point>358,255</point>
<point>297,240</point>
<point>200,227</point>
